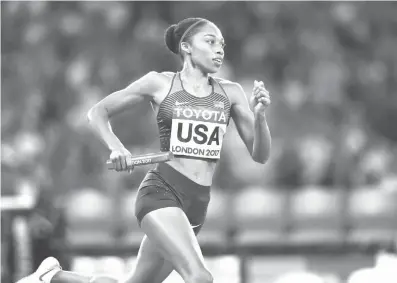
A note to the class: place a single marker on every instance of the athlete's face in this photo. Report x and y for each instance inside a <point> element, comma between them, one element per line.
<point>207,48</point>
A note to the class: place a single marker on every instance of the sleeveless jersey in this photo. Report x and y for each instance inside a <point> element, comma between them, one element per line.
<point>193,126</point>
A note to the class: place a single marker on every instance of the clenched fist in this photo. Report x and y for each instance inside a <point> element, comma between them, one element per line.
<point>122,159</point>
<point>260,98</point>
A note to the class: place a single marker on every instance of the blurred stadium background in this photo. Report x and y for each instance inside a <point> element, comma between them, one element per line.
<point>325,203</point>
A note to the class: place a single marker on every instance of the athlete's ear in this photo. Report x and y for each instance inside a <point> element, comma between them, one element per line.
<point>185,47</point>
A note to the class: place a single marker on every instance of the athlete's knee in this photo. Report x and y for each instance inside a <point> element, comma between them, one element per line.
<point>103,279</point>
<point>200,275</point>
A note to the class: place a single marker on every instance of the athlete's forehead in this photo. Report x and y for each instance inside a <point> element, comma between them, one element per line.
<point>210,30</point>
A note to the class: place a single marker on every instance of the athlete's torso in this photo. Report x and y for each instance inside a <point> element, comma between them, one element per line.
<point>192,128</point>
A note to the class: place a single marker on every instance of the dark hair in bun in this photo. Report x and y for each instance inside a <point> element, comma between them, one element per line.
<point>170,38</point>
<point>184,30</point>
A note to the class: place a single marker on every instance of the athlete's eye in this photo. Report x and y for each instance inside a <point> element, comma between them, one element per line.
<point>211,41</point>
<point>223,45</point>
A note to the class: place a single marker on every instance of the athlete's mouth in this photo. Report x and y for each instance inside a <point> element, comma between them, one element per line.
<point>217,60</point>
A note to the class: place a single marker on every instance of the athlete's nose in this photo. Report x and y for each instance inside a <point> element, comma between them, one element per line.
<point>220,52</point>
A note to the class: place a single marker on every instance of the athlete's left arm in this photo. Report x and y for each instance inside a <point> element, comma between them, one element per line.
<point>250,119</point>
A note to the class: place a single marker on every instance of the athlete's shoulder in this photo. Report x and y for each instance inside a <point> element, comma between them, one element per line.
<point>162,77</point>
<point>222,80</point>
<point>154,75</point>
<point>158,78</point>
<point>168,74</point>
<point>231,88</point>
<point>228,84</point>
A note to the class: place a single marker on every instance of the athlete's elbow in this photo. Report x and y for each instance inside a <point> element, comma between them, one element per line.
<point>261,158</point>
<point>90,115</point>
<point>94,113</point>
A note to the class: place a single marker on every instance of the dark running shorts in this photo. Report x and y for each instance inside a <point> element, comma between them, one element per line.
<point>165,187</point>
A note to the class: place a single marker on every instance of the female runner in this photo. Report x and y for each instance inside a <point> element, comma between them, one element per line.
<point>193,111</point>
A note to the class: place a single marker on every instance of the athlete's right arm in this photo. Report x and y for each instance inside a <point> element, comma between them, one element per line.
<point>145,88</point>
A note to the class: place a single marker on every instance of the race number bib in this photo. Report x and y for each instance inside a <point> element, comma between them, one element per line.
<point>197,132</point>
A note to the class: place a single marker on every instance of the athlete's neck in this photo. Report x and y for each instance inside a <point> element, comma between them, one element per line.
<point>194,76</point>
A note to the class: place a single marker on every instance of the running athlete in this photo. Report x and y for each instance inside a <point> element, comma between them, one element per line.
<point>193,111</point>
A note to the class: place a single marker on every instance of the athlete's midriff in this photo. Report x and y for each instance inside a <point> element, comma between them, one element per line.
<point>197,170</point>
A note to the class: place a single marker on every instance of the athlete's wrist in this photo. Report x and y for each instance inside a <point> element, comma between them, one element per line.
<point>260,115</point>
<point>116,147</point>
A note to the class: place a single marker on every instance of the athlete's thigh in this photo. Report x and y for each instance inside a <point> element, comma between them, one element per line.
<point>169,229</point>
<point>151,267</point>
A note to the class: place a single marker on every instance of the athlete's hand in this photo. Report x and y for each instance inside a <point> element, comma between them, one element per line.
<point>121,158</point>
<point>260,98</point>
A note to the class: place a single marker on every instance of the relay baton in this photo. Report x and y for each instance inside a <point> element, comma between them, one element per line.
<point>144,159</point>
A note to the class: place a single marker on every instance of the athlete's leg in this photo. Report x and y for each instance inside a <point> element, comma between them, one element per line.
<point>74,277</point>
<point>150,268</point>
<point>178,245</point>
<point>169,229</point>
